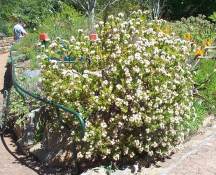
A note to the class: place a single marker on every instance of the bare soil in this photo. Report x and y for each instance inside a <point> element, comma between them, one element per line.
<point>10,160</point>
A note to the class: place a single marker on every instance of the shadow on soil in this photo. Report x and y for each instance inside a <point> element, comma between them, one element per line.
<point>28,160</point>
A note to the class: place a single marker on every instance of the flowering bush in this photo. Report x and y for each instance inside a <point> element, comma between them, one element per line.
<point>133,85</point>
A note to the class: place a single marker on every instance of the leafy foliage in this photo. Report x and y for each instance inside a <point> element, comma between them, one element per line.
<point>199,29</point>
<point>206,80</point>
<point>62,24</point>
<point>32,13</point>
<point>17,105</point>
<point>202,33</point>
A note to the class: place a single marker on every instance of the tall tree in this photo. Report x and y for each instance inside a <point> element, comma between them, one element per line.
<point>90,7</point>
<point>156,7</point>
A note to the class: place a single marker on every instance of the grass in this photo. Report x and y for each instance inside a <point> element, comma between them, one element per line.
<point>205,100</point>
<point>206,80</point>
<point>197,120</point>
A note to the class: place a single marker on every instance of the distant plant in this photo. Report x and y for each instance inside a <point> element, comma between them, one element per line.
<point>6,28</point>
<point>197,29</point>
<point>63,24</point>
<point>213,17</point>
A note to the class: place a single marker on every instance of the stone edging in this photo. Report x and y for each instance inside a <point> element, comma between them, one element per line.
<point>5,44</point>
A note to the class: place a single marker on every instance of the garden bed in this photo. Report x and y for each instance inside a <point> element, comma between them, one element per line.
<point>135,88</point>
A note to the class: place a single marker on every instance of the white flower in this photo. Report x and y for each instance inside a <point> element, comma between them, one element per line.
<point>92,52</point>
<point>77,48</point>
<point>125,42</point>
<point>126,151</point>
<point>116,157</point>
<point>80,30</point>
<point>136,69</point>
<point>138,56</point>
<point>119,87</point>
<point>150,153</point>
<point>113,55</point>
<point>137,143</point>
<point>118,52</point>
<point>101,23</point>
<point>110,17</point>
<point>103,125</point>
<point>55,66</point>
<point>132,155</point>
<point>149,31</point>
<point>52,45</point>
<point>53,61</point>
<point>88,154</point>
<point>79,155</point>
<point>146,62</point>
<point>38,56</point>
<point>85,75</point>
<point>95,73</point>
<point>121,15</point>
<point>105,82</point>
<point>147,130</point>
<point>115,30</point>
<point>139,92</point>
<point>128,80</point>
<point>85,49</point>
<point>129,97</point>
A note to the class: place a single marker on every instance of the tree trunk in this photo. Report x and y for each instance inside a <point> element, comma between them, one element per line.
<point>92,20</point>
<point>156,8</point>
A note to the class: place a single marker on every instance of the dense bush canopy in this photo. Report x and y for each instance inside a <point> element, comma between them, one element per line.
<point>133,85</point>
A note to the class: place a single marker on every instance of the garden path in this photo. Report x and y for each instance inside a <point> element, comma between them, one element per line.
<point>9,163</point>
<point>197,156</point>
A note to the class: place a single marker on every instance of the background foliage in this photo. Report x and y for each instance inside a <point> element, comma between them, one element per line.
<point>35,11</point>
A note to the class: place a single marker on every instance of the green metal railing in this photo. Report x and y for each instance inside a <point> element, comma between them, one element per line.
<point>23,92</point>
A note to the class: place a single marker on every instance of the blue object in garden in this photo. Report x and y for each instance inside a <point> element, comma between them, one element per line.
<point>32,73</point>
<point>67,59</point>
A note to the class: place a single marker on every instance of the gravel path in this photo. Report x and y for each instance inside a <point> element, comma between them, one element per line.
<point>197,157</point>
<point>9,165</point>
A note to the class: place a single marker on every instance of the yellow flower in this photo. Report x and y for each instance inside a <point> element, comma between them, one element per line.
<point>167,30</point>
<point>187,36</point>
<point>199,52</point>
<point>207,42</point>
